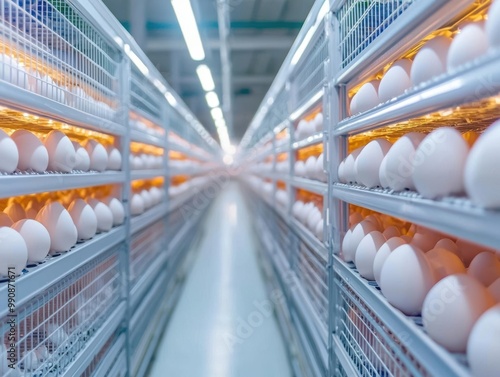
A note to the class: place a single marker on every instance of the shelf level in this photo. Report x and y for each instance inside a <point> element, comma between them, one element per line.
<point>317,187</point>
<point>146,174</point>
<point>314,139</point>
<point>150,216</point>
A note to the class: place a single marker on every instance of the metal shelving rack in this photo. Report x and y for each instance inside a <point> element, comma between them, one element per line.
<point>79,67</point>
<point>366,335</point>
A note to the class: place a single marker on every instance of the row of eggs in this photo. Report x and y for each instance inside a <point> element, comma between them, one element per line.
<point>309,215</point>
<point>308,128</point>
<point>14,72</point>
<point>145,199</point>
<point>145,161</point>
<point>193,183</point>
<point>183,164</point>
<point>312,168</point>
<point>435,165</point>
<point>143,127</point>
<point>55,229</point>
<point>24,151</point>
<point>436,56</point>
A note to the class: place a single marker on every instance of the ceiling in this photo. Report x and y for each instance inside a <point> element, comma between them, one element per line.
<point>262,32</point>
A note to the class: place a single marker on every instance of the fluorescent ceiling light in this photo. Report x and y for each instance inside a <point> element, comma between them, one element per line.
<point>159,85</point>
<point>212,99</point>
<point>171,99</point>
<point>189,28</point>
<point>136,60</point>
<point>220,123</point>
<point>302,47</point>
<point>217,113</point>
<point>323,11</point>
<point>206,79</point>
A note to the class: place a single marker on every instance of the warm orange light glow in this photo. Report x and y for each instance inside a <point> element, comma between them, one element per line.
<point>139,148</point>
<point>146,184</point>
<point>179,180</point>
<point>147,123</point>
<point>281,185</point>
<point>306,196</point>
<point>314,150</point>
<point>282,157</point>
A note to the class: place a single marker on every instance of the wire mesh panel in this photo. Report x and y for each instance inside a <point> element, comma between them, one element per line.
<point>51,329</point>
<point>146,97</point>
<point>310,72</point>
<point>48,48</point>
<point>370,345</point>
<point>119,368</point>
<point>100,356</point>
<point>362,21</point>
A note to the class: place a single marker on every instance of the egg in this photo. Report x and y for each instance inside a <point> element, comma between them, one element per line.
<point>32,153</point>
<point>482,172</point>
<point>9,154</point>
<point>5,220</point>
<point>318,230</point>
<point>483,346</point>
<point>138,164</point>
<point>391,232</point>
<point>341,173</point>
<point>451,309</point>
<point>30,361</point>
<point>367,164</point>
<point>103,214</point>
<point>445,263</point>
<point>355,218</point>
<point>439,163</point>
<point>148,200</point>
<point>446,243</point>
<point>15,211</point>
<point>468,45</point>
<point>56,336</point>
<point>313,217</point>
<point>114,159</point>
<point>137,205</point>
<point>395,81</point>
<point>468,250</point>
<point>318,122</point>
<point>382,174</point>
<point>13,252</point>
<point>155,194</point>
<point>424,242</point>
<point>36,237</point>
<point>485,267</point>
<point>399,166</point>
<point>300,132</point>
<point>406,278</point>
<point>353,238</point>
<point>82,158</point>
<point>493,25</point>
<point>366,252</point>
<point>58,222</point>
<point>431,60</point>
<point>309,129</point>
<point>300,169</point>
<point>98,155</point>
<point>319,171</point>
<point>366,98</point>
<point>62,155</point>
<point>382,253</point>
<point>494,289</point>
<point>350,166</point>
<point>310,166</point>
<point>84,218</point>
<point>118,210</point>
<point>297,208</point>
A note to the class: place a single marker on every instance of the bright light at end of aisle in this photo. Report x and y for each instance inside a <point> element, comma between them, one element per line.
<point>212,99</point>
<point>189,28</point>
<point>206,79</point>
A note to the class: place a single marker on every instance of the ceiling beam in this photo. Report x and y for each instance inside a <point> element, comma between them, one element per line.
<point>240,43</point>
<point>237,80</point>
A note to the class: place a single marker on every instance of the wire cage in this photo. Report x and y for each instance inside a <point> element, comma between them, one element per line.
<point>309,74</point>
<point>363,21</point>
<point>48,48</point>
<point>105,361</point>
<point>145,98</point>
<point>51,329</point>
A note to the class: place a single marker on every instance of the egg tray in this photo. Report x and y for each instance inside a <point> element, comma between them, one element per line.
<point>373,348</point>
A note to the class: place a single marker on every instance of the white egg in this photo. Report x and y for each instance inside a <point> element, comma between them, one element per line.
<point>137,205</point>
<point>350,166</point>
<point>445,263</point>
<point>62,155</point>
<point>406,278</point>
<point>366,98</point>
<point>366,252</point>
<point>297,208</point>
<point>368,162</point>
<point>306,210</point>
<point>354,237</point>
<point>301,132</point>
<point>37,239</point>
<point>15,211</point>
<point>5,220</point>
<point>84,218</point>
<point>300,169</point>
<point>310,166</point>
<point>30,361</point>
<point>482,170</point>
<point>485,267</point>
<point>13,252</point>
<point>395,81</point>
<point>341,173</point>
<point>138,163</point>
<point>319,171</point>
<point>114,159</point>
<point>382,253</point>
<point>42,352</point>
<point>468,250</point>
<point>56,335</point>
<point>451,309</point>
<point>399,165</point>
<point>148,200</point>
<point>117,210</point>
<point>103,214</point>
<point>430,60</point>
<point>59,224</point>
<point>493,25</point>
<point>468,45</point>
<point>32,153</point>
<point>9,154</point>
<point>82,158</point>
<point>318,230</point>
<point>483,346</point>
<point>155,194</point>
<point>318,122</point>
<point>391,232</point>
<point>439,163</point>
<point>98,155</point>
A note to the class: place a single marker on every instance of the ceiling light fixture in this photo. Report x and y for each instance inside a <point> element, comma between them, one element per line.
<point>220,123</point>
<point>216,113</point>
<point>206,79</point>
<point>212,99</point>
<point>189,28</point>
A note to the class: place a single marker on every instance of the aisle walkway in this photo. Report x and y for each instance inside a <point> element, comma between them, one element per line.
<point>222,326</point>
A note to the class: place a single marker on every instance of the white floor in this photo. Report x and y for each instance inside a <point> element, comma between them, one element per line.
<point>222,326</point>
